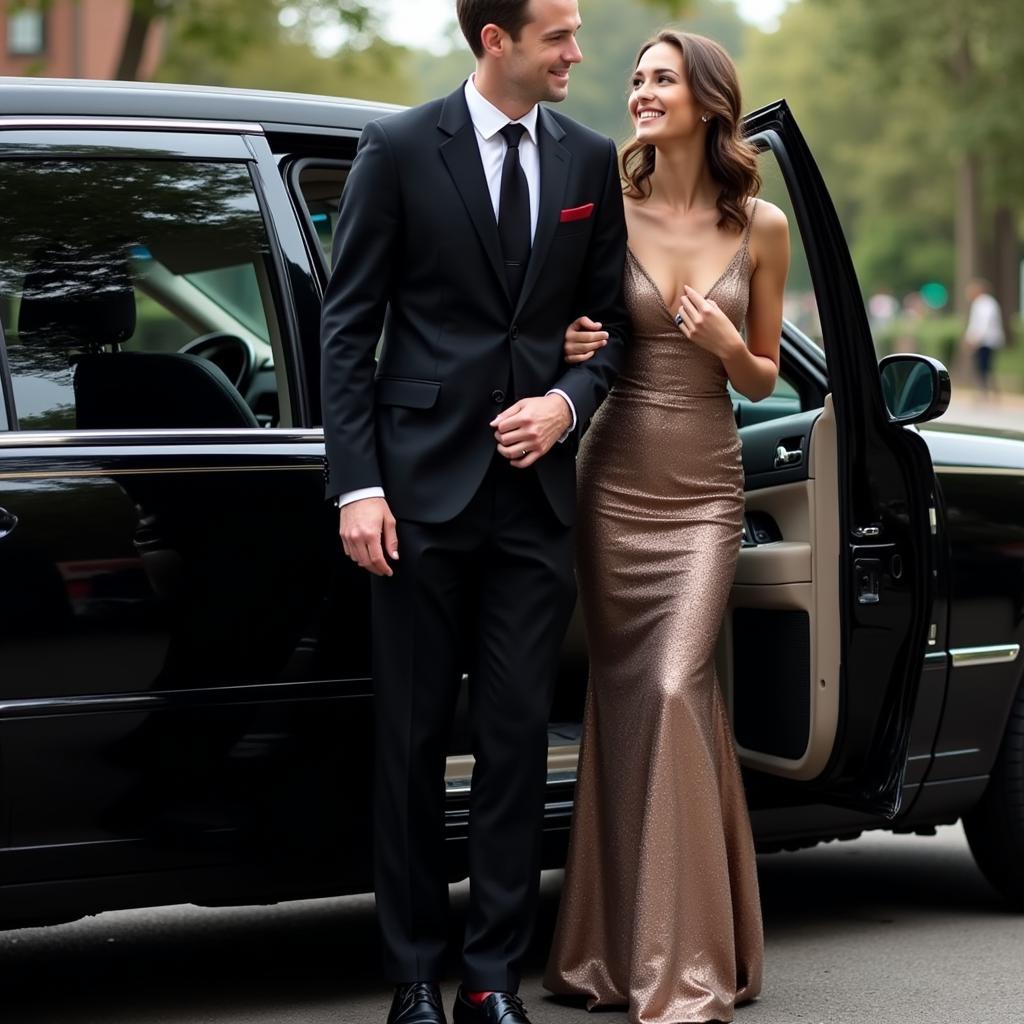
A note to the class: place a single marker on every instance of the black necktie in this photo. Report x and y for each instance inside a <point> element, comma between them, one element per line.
<point>514,212</point>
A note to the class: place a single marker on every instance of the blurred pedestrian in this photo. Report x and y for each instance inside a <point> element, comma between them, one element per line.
<point>883,308</point>
<point>984,332</point>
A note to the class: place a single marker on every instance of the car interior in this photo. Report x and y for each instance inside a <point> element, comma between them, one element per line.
<point>152,310</point>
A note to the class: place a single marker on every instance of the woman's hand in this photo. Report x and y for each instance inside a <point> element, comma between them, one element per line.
<point>583,337</point>
<point>704,323</point>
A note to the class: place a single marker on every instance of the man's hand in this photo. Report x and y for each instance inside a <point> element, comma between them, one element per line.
<point>527,431</point>
<point>368,529</point>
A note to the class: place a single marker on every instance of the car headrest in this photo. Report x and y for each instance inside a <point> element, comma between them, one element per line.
<point>77,300</point>
<point>155,391</point>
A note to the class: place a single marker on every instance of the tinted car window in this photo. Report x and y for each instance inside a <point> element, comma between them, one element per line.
<point>137,295</point>
<point>321,185</point>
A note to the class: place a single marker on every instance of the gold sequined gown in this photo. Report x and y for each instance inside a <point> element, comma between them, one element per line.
<point>660,907</point>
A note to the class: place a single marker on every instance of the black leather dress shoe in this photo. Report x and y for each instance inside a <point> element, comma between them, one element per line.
<point>419,1003</point>
<point>497,1008</point>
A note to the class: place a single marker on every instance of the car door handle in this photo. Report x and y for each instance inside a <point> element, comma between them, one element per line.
<point>8,521</point>
<point>785,457</point>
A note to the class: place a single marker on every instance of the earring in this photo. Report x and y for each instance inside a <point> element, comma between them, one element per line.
<point>705,118</point>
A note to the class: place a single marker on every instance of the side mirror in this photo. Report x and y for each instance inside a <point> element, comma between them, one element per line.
<point>915,388</point>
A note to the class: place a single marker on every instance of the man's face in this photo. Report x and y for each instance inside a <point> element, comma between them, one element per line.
<point>537,65</point>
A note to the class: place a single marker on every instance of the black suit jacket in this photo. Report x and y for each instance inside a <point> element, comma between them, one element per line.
<point>417,252</point>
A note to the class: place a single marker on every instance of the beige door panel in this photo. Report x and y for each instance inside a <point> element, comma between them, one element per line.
<point>784,561</point>
<point>790,505</point>
<point>800,573</point>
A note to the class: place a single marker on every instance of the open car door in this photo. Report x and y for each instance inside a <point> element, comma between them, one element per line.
<point>824,644</point>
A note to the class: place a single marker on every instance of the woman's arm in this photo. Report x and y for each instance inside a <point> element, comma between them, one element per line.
<point>752,366</point>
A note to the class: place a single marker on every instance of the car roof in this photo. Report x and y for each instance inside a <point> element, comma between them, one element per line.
<point>62,97</point>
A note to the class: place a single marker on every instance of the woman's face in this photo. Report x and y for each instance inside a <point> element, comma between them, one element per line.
<point>660,102</point>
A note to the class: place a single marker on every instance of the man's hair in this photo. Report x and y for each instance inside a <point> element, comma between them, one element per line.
<point>511,15</point>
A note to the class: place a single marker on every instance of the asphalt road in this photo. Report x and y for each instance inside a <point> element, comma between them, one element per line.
<point>882,929</point>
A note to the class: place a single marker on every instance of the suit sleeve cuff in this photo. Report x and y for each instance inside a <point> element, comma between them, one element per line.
<point>365,492</point>
<point>572,409</point>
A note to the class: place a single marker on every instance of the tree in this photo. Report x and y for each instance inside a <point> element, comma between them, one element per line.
<point>967,59</point>
<point>284,58</point>
<point>884,155</point>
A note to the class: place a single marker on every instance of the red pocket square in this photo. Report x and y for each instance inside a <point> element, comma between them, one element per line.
<point>577,213</point>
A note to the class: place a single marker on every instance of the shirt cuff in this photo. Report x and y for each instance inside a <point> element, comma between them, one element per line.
<point>572,409</point>
<point>366,492</point>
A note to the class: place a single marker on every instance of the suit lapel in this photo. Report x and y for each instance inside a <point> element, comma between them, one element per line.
<point>461,155</point>
<point>555,161</point>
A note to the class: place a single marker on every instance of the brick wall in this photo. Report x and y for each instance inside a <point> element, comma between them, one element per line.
<point>81,40</point>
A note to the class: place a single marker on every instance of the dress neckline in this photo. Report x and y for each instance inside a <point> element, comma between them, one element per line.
<point>741,249</point>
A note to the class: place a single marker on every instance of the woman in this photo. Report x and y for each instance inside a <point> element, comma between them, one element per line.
<point>660,907</point>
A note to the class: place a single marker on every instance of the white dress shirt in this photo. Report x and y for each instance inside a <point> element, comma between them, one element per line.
<point>488,121</point>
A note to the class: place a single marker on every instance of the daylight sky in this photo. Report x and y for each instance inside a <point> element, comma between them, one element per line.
<point>424,22</point>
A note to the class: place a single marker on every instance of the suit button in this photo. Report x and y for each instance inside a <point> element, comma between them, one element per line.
<point>498,396</point>
<point>514,332</point>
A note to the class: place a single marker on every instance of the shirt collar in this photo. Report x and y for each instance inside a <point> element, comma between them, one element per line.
<point>489,120</point>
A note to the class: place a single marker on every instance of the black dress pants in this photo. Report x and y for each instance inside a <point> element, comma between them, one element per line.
<point>491,593</point>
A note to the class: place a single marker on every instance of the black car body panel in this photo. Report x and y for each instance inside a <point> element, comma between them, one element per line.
<point>185,681</point>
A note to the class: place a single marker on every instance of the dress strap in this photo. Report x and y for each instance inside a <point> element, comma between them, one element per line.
<point>750,221</point>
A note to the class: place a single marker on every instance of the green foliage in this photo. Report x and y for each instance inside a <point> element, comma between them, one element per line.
<point>877,89</point>
<point>243,43</point>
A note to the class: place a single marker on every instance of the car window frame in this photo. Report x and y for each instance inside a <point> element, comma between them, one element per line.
<point>8,407</point>
<point>291,171</point>
<point>188,142</point>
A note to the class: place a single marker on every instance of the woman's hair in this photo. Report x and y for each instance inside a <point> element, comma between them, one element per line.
<point>732,160</point>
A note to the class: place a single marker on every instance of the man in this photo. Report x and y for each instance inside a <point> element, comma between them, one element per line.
<point>984,333</point>
<point>474,229</point>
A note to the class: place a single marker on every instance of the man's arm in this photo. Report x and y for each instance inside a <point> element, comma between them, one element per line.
<point>353,313</point>
<point>527,431</point>
<point>600,297</point>
<point>354,306</point>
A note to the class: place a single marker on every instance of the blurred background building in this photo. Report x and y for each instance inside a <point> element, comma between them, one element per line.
<point>73,39</point>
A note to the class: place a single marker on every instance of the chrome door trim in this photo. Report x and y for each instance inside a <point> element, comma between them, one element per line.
<point>212,435</point>
<point>132,124</point>
<point>980,470</point>
<point>996,654</point>
<point>563,762</point>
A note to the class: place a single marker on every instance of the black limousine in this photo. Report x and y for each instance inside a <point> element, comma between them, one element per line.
<point>185,680</point>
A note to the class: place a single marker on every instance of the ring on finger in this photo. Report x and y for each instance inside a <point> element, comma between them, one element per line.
<point>679,319</point>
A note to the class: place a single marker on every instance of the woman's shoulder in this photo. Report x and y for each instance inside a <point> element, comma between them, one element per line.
<point>769,233</point>
<point>769,221</point>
